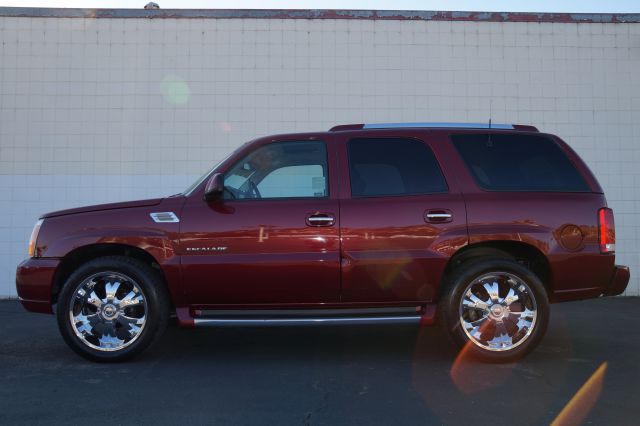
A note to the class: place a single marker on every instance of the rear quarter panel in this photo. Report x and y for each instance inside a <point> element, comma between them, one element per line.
<point>538,219</point>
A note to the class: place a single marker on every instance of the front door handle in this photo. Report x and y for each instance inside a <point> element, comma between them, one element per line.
<point>321,219</point>
<point>438,216</point>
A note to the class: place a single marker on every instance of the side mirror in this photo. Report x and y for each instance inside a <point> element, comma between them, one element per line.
<point>214,187</point>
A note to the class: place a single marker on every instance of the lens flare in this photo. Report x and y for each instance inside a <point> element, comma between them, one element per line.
<point>470,376</point>
<point>583,401</point>
<point>226,127</point>
<point>389,272</point>
<point>175,90</point>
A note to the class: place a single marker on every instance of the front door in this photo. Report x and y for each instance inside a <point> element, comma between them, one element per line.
<point>272,238</point>
<point>401,220</point>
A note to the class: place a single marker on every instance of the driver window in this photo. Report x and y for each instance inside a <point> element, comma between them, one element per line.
<point>280,170</point>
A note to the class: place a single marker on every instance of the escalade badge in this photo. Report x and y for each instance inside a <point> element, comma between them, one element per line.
<point>206,248</point>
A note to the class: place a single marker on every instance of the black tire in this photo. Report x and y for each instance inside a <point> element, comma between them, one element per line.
<point>468,274</point>
<point>155,307</point>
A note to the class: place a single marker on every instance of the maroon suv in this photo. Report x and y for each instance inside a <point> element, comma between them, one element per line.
<point>479,226</point>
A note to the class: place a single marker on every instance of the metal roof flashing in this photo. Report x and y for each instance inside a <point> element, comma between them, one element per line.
<point>394,15</point>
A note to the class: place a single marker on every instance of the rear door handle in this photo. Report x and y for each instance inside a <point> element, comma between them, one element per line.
<point>438,216</point>
<point>321,219</point>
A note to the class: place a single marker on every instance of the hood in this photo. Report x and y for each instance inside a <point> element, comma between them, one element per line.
<point>100,207</point>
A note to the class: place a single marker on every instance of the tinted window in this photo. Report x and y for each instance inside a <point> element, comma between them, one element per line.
<point>393,167</point>
<point>518,163</point>
<point>280,170</point>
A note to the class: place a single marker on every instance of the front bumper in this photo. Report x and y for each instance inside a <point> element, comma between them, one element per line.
<point>618,282</point>
<point>34,280</point>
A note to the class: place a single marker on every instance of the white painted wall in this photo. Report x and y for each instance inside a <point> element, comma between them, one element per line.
<point>100,110</point>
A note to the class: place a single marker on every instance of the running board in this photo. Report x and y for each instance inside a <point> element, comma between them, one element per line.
<point>270,322</point>
<point>306,317</point>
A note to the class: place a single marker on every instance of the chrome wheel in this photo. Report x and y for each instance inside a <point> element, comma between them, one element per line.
<point>108,311</point>
<point>498,311</point>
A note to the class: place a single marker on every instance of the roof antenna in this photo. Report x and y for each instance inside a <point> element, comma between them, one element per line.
<point>489,141</point>
<point>490,111</point>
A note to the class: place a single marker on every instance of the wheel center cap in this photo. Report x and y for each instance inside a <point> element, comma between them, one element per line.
<point>497,311</point>
<point>109,311</point>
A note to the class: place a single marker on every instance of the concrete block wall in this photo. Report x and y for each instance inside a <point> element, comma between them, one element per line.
<point>101,109</point>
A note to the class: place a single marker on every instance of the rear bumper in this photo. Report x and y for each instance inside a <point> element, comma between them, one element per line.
<point>34,278</point>
<point>618,282</point>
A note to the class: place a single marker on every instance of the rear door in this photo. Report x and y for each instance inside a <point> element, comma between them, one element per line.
<point>401,217</point>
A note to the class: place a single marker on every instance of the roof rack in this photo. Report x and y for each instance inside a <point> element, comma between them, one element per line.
<point>496,126</point>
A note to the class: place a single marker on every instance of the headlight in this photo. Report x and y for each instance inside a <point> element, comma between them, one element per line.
<point>34,238</point>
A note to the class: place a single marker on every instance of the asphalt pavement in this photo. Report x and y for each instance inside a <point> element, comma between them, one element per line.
<point>359,375</point>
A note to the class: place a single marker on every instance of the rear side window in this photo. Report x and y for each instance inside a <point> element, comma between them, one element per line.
<point>514,162</point>
<point>393,166</point>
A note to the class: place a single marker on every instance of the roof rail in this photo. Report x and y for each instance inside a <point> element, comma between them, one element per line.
<point>447,125</point>
<point>434,125</point>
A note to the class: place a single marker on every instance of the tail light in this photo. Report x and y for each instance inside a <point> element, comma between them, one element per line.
<point>606,231</point>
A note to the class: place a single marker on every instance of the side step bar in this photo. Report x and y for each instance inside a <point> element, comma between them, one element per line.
<point>270,322</point>
<point>306,317</point>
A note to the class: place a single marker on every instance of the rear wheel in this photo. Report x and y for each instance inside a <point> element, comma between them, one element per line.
<point>496,308</point>
<point>112,308</point>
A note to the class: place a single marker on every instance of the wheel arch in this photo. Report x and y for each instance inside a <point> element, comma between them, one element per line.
<point>80,255</point>
<point>525,254</point>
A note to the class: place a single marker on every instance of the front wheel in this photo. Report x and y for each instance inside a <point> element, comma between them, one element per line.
<point>496,308</point>
<point>112,308</point>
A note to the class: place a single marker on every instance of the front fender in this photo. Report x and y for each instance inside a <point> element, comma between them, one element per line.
<point>132,226</point>
<point>158,244</point>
